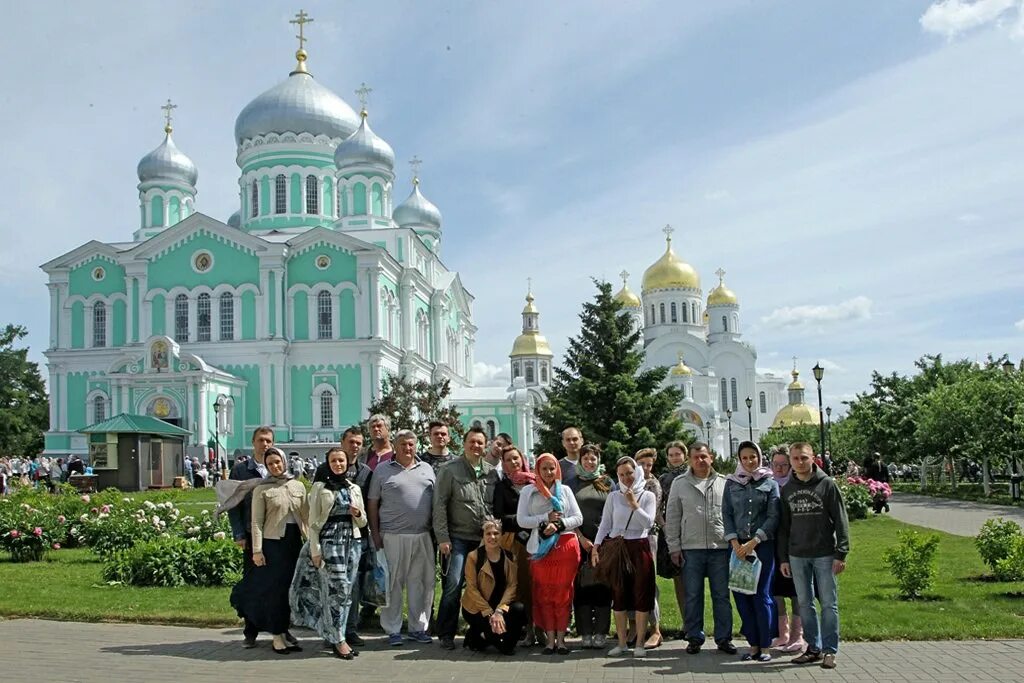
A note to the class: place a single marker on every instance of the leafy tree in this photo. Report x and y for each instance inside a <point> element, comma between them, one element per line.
<point>602,389</point>
<point>24,407</point>
<point>413,405</point>
<point>802,432</point>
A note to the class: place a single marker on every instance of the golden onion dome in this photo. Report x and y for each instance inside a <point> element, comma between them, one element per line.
<point>670,271</point>
<point>625,296</point>
<point>681,369</point>
<point>722,295</point>
<point>796,414</point>
<point>529,307</point>
<point>531,344</point>
<point>796,383</point>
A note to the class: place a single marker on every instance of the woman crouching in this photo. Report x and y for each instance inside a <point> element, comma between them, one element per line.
<point>489,604</point>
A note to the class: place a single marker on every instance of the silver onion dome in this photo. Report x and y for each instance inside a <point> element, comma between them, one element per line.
<point>417,210</point>
<point>364,148</point>
<point>167,162</point>
<point>235,220</point>
<point>296,105</point>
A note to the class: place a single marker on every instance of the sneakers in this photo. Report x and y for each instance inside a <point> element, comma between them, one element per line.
<point>395,640</point>
<point>809,657</point>
<point>588,642</point>
<point>829,661</point>
<point>640,651</point>
<point>600,642</point>
<point>694,647</point>
<point>447,643</point>
<point>618,651</point>
<point>419,637</point>
<point>249,642</point>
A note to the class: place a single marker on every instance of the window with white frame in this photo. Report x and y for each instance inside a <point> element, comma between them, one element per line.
<point>99,324</point>
<point>280,194</point>
<point>529,372</point>
<point>181,318</point>
<point>324,315</point>
<point>203,317</point>
<point>674,313</point>
<point>254,199</point>
<point>543,372</point>
<point>99,408</point>
<point>661,313</point>
<point>326,409</point>
<point>227,316</point>
<point>492,429</point>
<point>735,403</point>
<point>312,195</point>
<point>516,372</point>
<point>725,324</point>
<point>762,402</point>
<point>686,317</point>
<point>724,391</point>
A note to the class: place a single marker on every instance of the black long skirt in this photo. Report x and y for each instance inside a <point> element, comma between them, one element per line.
<point>261,597</point>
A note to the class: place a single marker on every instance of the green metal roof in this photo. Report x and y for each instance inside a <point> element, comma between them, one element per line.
<point>134,424</point>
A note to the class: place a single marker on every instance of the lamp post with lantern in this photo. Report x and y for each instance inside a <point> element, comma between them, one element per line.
<point>819,372</point>
<point>828,414</point>
<point>728,414</point>
<point>707,433</point>
<point>221,464</point>
<point>750,420</point>
<point>1015,475</point>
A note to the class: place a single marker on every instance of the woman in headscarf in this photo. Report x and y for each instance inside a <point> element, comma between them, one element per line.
<point>279,514</point>
<point>517,476</point>
<point>629,514</point>
<point>549,510</point>
<point>592,602</point>
<point>750,512</point>
<point>321,592</point>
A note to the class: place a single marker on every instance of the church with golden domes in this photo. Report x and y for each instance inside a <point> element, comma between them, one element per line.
<point>701,341</point>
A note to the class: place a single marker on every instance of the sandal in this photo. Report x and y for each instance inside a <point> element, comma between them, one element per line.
<point>806,658</point>
<point>653,642</point>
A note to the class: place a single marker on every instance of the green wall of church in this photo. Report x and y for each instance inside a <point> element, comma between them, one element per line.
<point>78,325</point>
<point>302,269</point>
<point>80,279</point>
<point>301,313</point>
<point>251,374</point>
<point>119,324</point>
<point>347,379</point>
<point>231,265</point>
<point>348,315</point>
<point>158,307</point>
<point>248,315</point>
<point>77,389</point>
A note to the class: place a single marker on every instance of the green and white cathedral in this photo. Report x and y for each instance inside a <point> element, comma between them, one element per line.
<point>288,314</point>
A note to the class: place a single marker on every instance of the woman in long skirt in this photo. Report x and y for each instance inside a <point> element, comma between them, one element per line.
<point>550,510</point>
<point>321,592</point>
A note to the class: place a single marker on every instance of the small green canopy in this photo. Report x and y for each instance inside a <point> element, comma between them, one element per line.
<point>126,423</point>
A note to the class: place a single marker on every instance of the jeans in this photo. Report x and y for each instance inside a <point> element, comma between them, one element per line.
<point>814,575</point>
<point>451,593</point>
<point>714,565</point>
<point>757,612</point>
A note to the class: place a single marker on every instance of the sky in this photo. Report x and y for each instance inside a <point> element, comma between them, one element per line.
<point>855,168</point>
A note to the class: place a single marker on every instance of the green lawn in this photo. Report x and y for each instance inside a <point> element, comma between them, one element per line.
<point>69,585</point>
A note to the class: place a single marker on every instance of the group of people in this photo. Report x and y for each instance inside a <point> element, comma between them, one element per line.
<point>38,471</point>
<point>524,547</point>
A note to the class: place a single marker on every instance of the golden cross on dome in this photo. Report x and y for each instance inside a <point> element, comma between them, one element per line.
<point>415,164</point>
<point>721,275</point>
<point>301,19</point>
<point>363,94</point>
<point>680,355</point>
<point>168,108</point>
<point>794,363</point>
<point>625,276</point>
<point>668,230</point>
<point>529,286</point>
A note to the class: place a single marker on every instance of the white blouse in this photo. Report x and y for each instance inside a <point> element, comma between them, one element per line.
<point>617,512</point>
<point>534,508</point>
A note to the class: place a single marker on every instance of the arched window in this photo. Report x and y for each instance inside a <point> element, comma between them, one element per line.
<point>326,409</point>
<point>99,324</point>
<point>693,311</point>
<point>280,194</point>
<point>732,386</point>
<point>516,371</point>
<point>324,315</point>
<point>492,429</point>
<point>686,318</point>
<point>674,313</point>
<point>203,317</point>
<point>254,199</point>
<point>99,408</point>
<point>661,311</point>
<point>529,372</point>
<point>544,372</point>
<point>181,318</point>
<point>227,317</point>
<point>725,324</point>
<point>762,402</point>
<point>724,391</point>
<point>478,424</point>
<point>651,321</point>
<point>312,195</point>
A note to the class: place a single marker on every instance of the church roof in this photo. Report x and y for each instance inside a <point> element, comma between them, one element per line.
<point>126,423</point>
<point>796,414</point>
<point>670,271</point>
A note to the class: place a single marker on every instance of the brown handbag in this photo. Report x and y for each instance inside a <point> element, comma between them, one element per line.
<point>613,563</point>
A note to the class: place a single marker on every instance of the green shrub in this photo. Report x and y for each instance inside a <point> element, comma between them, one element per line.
<point>176,562</point>
<point>995,540</point>
<point>912,563</point>
<point>857,499</point>
<point>1011,567</point>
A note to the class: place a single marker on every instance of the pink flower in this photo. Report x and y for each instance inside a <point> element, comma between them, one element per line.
<point>61,519</point>
<point>56,546</point>
<point>38,531</point>
<point>85,498</point>
<point>105,509</point>
<point>94,510</point>
<point>14,533</point>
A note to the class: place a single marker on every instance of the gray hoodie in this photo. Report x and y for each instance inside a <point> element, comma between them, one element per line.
<point>693,514</point>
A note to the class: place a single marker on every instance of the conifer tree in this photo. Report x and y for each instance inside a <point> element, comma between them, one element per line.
<point>602,389</point>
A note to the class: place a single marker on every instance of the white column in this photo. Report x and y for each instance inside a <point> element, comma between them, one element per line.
<point>264,388</point>
<point>193,317</point>
<point>54,315</point>
<point>362,312</point>
<point>129,315</point>
<point>372,282</point>
<point>204,401</point>
<point>279,300</point>
<point>405,311</point>
<point>125,408</point>
<point>87,335</point>
<point>279,376</point>
<point>311,316</point>
<point>263,305</point>
<point>62,397</point>
<point>54,397</point>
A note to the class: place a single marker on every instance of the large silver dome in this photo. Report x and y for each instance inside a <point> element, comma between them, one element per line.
<point>364,148</point>
<point>296,105</point>
<point>167,162</point>
<point>417,210</point>
<point>235,220</point>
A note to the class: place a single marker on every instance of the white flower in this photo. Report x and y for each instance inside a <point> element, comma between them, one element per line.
<point>165,535</point>
<point>103,515</point>
<point>207,524</point>
<point>149,504</point>
<point>84,518</point>
<point>205,512</point>
<point>219,536</point>
<point>126,500</point>
<point>156,520</point>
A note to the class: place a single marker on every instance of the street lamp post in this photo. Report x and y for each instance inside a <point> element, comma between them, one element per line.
<point>819,372</point>
<point>728,414</point>
<point>216,438</point>
<point>707,433</point>
<point>1015,476</point>
<point>828,414</point>
<point>750,419</point>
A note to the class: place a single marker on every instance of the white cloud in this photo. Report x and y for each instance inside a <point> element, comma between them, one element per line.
<point>857,308</point>
<point>1019,324</point>
<point>487,375</point>
<point>831,365</point>
<point>953,17</point>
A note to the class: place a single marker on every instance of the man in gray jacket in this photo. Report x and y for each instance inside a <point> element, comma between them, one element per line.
<point>694,531</point>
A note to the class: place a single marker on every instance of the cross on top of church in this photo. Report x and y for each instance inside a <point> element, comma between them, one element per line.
<point>529,285</point>
<point>363,94</point>
<point>415,164</point>
<point>168,108</point>
<point>668,230</point>
<point>721,275</point>
<point>794,363</point>
<point>625,276</point>
<point>301,19</point>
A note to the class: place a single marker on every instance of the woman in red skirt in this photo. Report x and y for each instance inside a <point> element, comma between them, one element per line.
<point>549,510</point>
<point>629,514</point>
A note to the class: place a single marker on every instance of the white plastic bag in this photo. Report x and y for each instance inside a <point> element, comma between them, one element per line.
<point>744,574</point>
<point>377,582</point>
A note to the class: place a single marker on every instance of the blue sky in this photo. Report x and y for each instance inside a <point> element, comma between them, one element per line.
<point>854,167</point>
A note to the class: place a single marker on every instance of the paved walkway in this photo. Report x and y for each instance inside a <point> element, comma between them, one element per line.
<point>959,517</point>
<point>38,651</point>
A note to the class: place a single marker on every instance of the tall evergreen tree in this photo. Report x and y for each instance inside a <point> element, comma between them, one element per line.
<point>602,390</point>
<point>24,408</point>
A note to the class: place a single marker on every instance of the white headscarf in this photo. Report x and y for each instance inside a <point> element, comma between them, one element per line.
<point>639,480</point>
